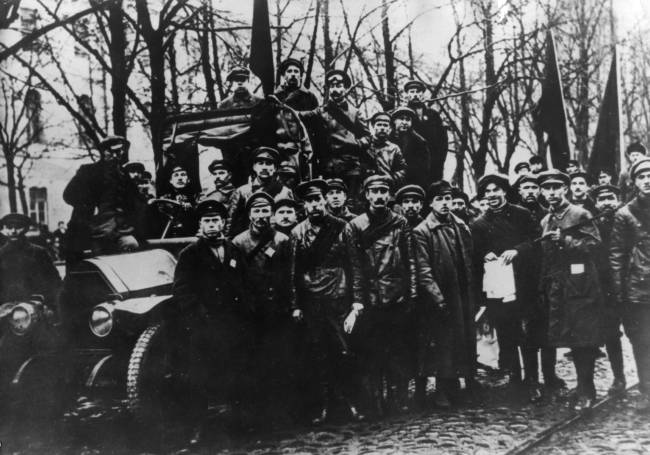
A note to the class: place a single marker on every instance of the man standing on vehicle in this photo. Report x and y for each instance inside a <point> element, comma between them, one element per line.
<point>415,150</point>
<point>209,295</point>
<point>223,187</point>
<point>241,97</point>
<point>181,191</point>
<point>291,91</point>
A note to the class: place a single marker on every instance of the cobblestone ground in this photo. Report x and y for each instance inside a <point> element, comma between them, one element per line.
<point>503,420</point>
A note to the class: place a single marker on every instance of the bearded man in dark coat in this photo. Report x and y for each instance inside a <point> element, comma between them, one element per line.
<point>528,193</point>
<point>446,283</point>
<point>291,91</point>
<point>570,284</point>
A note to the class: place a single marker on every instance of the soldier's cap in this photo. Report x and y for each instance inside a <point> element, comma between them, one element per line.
<point>402,111</point>
<point>336,76</point>
<point>238,73</point>
<point>219,164</point>
<point>536,159</point>
<point>635,147</point>
<point>438,188</point>
<point>133,166</point>
<point>604,189</point>
<point>311,188</point>
<point>415,191</point>
<point>582,174</point>
<point>553,176</point>
<point>177,167</point>
<point>210,207</point>
<point>378,116</point>
<point>521,165</point>
<point>268,153</point>
<point>113,143</point>
<point>286,63</point>
<point>17,219</point>
<point>336,184</point>
<point>146,175</point>
<point>259,198</point>
<point>286,202</point>
<point>457,193</point>
<point>376,181</point>
<point>638,167</point>
<point>523,179</point>
<point>412,83</point>
<point>287,169</point>
<point>498,179</point>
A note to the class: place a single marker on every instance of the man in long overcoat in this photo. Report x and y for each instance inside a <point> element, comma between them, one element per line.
<point>443,249</point>
<point>415,150</point>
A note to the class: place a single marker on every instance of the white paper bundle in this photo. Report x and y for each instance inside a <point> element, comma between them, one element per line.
<point>499,281</point>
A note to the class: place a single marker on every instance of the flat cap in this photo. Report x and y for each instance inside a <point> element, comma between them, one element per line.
<point>553,176</point>
<point>378,116</point>
<point>528,178</point>
<point>210,207</point>
<point>635,147</point>
<point>268,153</point>
<point>133,166</point>
<point>310,188</point>
<point>438,188</point>
<point>521,165</point>
<point>17,219</point>
<point>402,111</point>
<point>336,184</point>
<point>219,164</point>
<point>338,75</point>
<point>412,83</point>
<point>499,180</point>
<point>377,181</point>
<point>582,174</point>
<point>259,198</point>
<point>112,142</point>
<point>286,202</point>
<point>603,189</point>
<point>639,166</point>
<point>286,63</point>
<point>238,72</point>
<point>415,191</point>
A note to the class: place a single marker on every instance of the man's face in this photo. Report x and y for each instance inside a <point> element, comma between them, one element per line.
<point>221,177</point>
<point>642,182</point>
<point>579,187</point>
<point>414,95</point>
<point>114,154</point>
<point>286,216</point>
<point>458,205</point>
<point>292,76</point>
<point>604,178</point>
<point>14,231</point>
<point>260,216</point>
<point>571,168</point>
<point>336,198</point>
<point>412,206</point>
<point>211,226</point>
<point>483,205</point>
<point>179,179</point>
<point>495,195</point>
<point>606,200</point>
<point>529,192</point>
<point>377,197</point>
<point>536,167</point>
<point>441,204</point>
<point>264,168</point>
<point>135,176</point>
<point>337,90</point>
<point>315,206</point>
<point>554,193</point>
<point>240,86</point>
<point>381,129</point>
<point>403,123</point>
<point>635,156</point>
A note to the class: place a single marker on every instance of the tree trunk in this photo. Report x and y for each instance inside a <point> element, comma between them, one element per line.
<point>462,149</point>
<point>11,182</point>
<point>312,46</point>
<point>21,192</point>
<point>119,74</point>
<point>157,64</point>
<point>389,60</point>
<point>327,40</point>
<point>215,56</point>
<point>204,44</point>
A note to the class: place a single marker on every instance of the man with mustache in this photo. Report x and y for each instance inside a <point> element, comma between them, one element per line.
<point>221,170</point>
<point>570,284</point>
<point>291,91</point>
<point>337,196</point>
<point>460,205</point>
<point>265,162</point>
<point>529,195</point>
<point>629,250</point>
<point>241,97</point>
<point>505,233</point>
<point>285,215</point>
<point>579,186</point>
<point>443,251</point>
<point>385,158</point>
<point>414,147</point>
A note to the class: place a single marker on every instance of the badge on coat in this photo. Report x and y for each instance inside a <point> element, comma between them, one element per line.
<point>233,263</point>
<point>270,252</point>
<point>577,269</point>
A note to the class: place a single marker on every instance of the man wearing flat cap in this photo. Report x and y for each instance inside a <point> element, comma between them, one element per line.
<point>429,125</point>
<point>267,262</point>
<point>337,197</point>
<point>210,299</point>
<point>579,185</point>
<point>522,168</point>
<point>265,165</point>
<point>241,97</point>
<point>102,199</point>
<point>570,286</point>
<point>385,158</point>
<point>179,190</point>
<point>322,279</point>
<point>505,234</point>
<point>341,135</point>
<point>447,340</point>
<point>383,282</point>
<point>221,170</point>
<point>528,192</point>
<point>537,164</point>
<point>634,152</point>
<point>460,205</point>
<point>285,215</point>
<point>629,250</point>
<point>291,91</point>
<point>411,201</point>
<point>415,150</point>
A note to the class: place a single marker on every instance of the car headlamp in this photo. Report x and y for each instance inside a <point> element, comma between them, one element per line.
<point>22,317</point>
<point>101,320</point>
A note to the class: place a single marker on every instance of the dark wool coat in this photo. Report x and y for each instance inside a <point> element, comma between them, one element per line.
<point>430,126</point>
<point>419,161</point>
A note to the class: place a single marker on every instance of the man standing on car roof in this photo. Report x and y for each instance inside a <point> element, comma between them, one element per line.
<point>239,79</point>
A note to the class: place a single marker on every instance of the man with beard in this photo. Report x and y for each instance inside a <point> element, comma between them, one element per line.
<point>210,301</point>
<point>628,255</point>
<point>180,191</point>
<point>460,205</point>
<point>383,282</point>
<point>337,196</point>
<point>285,215</point>
<point>265,163</point>
<point>322,281</point>
<point>267,263</point>
<point>342,136</point>
<point>580,182</point>
<point>570,287</point>
<point>505,233</point>
<point>607,202</point>
<point>528,190</point>
<point>241,96</point>
<point>291,91</point>
<point>414,147</point>
<point>385,158</point>
<point>634,152</point>
<point>428,125</point>
<point>443,249</point>
<point>223,187</point>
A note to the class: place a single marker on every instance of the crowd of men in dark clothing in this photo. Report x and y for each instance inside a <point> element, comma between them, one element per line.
<point>379,263</point>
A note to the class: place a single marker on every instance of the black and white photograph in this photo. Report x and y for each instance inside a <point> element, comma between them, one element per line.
<point>324,227</point>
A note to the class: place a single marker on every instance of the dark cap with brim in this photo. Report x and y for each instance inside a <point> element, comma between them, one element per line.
<point>219,164</point>
<point>377,181</point>
<point>16,219</point>
<point>639,166</point>
<point>338,75</point>
<point>113,142</point>
<point>336,184</point>
<point>259,198</point>
<point>582,174</point>
<point>604,189</point>
<point>524,179</point>
<point>412,83</point>
<point>133,166</point>
<point>403,111</point>
<point>291,62</point>
<point>438,188</point>
<point>521,165</point>
<point>268,153</point>
<point>457,193</point>
<point>238,73</point>
<point>379,116</point>
<point>553,176</point>
<point>286,202</point>
<point>210,207</point>
<point>311,188</point>
<point>635,147</point>
<point>414,191</point>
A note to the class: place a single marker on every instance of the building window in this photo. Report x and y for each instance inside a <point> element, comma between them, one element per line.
<point>38,205</point>
<point>33,114</point>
